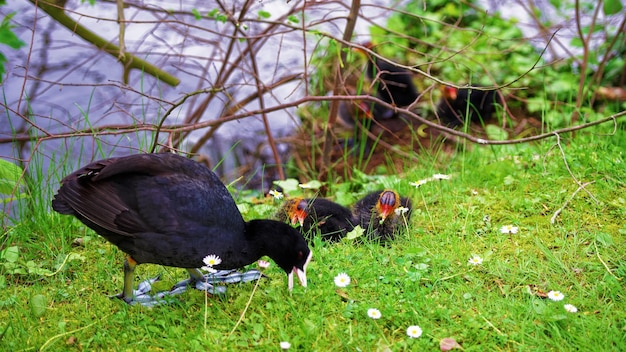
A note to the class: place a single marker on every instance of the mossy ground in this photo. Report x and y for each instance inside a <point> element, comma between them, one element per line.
<point>423,278</point>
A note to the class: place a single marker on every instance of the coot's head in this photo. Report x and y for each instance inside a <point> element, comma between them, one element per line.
<point>297,210</point>
<point>450,93</point>
<point>285,246</point>
<point>387,203</point>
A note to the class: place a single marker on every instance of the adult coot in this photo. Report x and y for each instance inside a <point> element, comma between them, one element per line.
<point>167,209</point>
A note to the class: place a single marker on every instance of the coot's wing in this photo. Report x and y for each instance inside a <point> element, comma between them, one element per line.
<point>160,193</point>
<point>97,202</point>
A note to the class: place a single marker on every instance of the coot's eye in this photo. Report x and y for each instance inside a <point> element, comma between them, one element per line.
<point>300,255</point>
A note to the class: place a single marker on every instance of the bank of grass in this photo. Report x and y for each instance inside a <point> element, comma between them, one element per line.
<point>423,278</point>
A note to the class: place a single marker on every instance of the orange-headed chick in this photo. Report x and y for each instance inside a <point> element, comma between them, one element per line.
<point>318,216</point>
<point>382,214</point>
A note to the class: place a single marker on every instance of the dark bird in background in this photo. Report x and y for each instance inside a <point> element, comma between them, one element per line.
<point>169,210</point>
<point>465,104</point>
<point>380,215</point>
<point>395,84</point>
<point>331,219</point>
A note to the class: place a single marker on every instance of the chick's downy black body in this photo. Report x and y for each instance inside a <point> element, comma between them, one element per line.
<point>169,210</point>
<point>332,220</point>
<point>377,214</point>
<point>395,84</point>
<point>460,105</point>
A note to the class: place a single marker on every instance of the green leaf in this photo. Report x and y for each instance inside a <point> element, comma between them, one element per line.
<point>496,133</point>
<point>38,305</point>
<point>293,19</point>
<point>7,36</point>
<point>196,14</point>
<point>10,254</point>
<point>611,7</point>
<point>264,14</point>
<point>222,18</point>
<point>355,233</point>
<point>288,185</point>
<point>10,177</point>
<point>604,238</point>
<point>509,180</point>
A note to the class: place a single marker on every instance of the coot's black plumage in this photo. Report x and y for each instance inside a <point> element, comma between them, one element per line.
<point>376,214</point>
<point>331,219</point>
<point>169,210</point>
<point>457,105</point>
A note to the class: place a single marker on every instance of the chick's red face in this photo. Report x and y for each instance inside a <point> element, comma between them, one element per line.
<point>387,204</point>
<point>365,108</point>
<point>299,212</point>
<point>450,93</point>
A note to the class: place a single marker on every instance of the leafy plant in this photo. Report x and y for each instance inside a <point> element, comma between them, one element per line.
<point>12,184</point>
<point>7,37</point>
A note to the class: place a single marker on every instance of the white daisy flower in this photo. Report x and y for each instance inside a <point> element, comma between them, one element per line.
<point>414,331</point>
<point>263,264</point>
<point>556,296</point>
<point>441,177</point>
<point>212,260</point>
<point>509,229</point>
<point>285,345</point>
<point>276,194</point>
<point>401,211</point>
<point>418,183</point>
<point>374,313</point>
<point>475,260</point>
<point>570,308</point>
<point>342,280</point>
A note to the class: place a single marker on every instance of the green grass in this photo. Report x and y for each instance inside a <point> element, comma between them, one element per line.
<point>423,278</point>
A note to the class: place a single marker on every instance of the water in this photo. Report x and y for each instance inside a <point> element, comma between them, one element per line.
<point>60,84</point>
<point>67,85</point>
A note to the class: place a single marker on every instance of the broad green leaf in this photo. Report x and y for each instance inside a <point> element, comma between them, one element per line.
<point>288,185</point>
<point>612,7</point>
<point>38,305</point>
<point>196,14</point>
<point>264,14</point>
<point>496,133</point>
<point>10,177</point>
<point>10,254</point>
<point>604,239</point>
<point>7,36</point>
<point>356,232</point>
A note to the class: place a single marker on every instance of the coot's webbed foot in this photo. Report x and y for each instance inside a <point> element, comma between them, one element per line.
<point>141,294</point>
<point>207,282</point>
<point>197,279</point>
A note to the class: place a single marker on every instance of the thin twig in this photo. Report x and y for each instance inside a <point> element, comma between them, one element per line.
<point>558,143</point>
<point>490,324</point>
<point>59,15</point>
<point>329,137</point>
<point>50,340</point>
<point>243,313</point>
<point>556,213</point>
<point>595,245</point>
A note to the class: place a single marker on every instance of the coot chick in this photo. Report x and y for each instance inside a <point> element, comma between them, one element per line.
<point>331,219</point>
<point>169,210</point>
<point>460,105</point>
<point>395,84</point>
<point>380,214</point>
